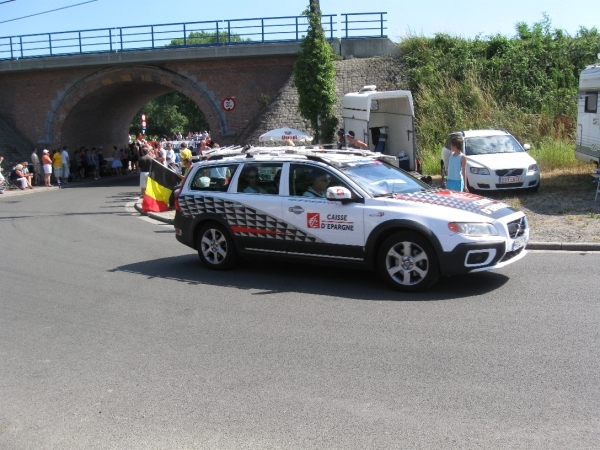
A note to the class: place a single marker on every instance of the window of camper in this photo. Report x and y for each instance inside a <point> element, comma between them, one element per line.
<point>591,102</point>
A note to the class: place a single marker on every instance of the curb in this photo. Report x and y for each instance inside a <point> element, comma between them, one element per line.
<point>156,216</point>
<point>565,246</point>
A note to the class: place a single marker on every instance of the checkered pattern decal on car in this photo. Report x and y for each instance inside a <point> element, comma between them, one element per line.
<point>460,200</point>
<point>244,221</point>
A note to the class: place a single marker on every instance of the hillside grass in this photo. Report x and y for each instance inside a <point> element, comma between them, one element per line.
<point>526,84</point>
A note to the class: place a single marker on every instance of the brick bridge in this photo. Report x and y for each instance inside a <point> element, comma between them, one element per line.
<point>91,99</point>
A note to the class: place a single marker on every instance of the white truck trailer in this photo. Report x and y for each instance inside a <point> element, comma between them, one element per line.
<point>587,147</point>
<point>385,121</point>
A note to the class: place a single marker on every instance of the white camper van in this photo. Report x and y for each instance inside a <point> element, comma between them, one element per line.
<point>587,147</point>
<point>385,121</point>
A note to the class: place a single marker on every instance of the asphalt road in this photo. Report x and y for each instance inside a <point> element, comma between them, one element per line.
<point>113,336</point>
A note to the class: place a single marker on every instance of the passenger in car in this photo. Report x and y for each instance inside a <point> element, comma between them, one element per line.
<point>319,185</point>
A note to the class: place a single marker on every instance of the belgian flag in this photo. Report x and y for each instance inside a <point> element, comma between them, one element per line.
<point>160,186</point>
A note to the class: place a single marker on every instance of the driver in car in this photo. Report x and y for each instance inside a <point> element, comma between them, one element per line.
<point>319,185</point>
<point>252,178</point>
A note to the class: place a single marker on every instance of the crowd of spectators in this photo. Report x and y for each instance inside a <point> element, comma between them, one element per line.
<point>174,154</point>
<point>195,141</point>
<point>61,166</point>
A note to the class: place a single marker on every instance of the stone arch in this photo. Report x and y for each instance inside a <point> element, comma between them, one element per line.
<point>98,109</point>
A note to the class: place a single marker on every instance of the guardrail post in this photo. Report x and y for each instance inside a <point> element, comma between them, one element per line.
<point>50,43</point>
<point>381,18</point>
<point>262,29</point>
<point>80,50</point>
<point>228,32</point>
<point>11,49</point>
<point>21,45</point>
<point>121,37</point>
<point>346,23</point>
<point>184,36</point>
<point>296,28</point>
<point>217,27</point>
<point>331,27</point>
<point>110,39</point>
<point>152,34</point>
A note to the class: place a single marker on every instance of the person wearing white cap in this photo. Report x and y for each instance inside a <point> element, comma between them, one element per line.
<point>47,164</point>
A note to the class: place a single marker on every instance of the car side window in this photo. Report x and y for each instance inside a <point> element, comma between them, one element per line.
<point>312,181</point>
<point>213,178</point>
<point>260,178</point>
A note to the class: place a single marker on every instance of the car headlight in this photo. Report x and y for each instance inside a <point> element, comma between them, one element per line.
<point>473,228</point>
<point>533,168</point>
<point>479,170</point>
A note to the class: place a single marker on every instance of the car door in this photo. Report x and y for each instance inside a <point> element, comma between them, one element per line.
<point>255,212</point>
<point>324,228</point>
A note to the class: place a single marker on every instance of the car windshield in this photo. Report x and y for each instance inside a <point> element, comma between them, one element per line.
<point>485,145</point>
<point>379,179</point>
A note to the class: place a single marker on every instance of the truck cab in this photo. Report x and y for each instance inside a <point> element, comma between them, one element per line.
<point>385,121</point>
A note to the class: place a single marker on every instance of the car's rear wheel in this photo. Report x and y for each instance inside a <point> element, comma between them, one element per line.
<point>215,247</point>
<point>408,262</point>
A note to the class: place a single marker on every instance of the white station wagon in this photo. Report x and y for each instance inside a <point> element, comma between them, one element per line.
<point>346,207</point>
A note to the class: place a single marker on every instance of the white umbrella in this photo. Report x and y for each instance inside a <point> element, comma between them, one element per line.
<point>286,134</point>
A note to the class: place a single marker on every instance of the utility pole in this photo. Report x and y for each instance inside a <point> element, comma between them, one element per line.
<point>314,6</point>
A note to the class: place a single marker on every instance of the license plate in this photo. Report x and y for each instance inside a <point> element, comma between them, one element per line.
<point>519,242</point>
<point>515,179</point>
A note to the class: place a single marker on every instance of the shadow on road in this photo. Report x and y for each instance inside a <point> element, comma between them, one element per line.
<point>272,278</point>
<point>128,180</point>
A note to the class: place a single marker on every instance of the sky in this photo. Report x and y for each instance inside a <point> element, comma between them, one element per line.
<point>422,17</point>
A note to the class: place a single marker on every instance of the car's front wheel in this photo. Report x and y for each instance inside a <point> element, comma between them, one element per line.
<point>408,262</point>
<point>215,247</point>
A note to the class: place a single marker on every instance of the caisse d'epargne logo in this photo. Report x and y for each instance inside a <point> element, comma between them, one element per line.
<point>313,220</point>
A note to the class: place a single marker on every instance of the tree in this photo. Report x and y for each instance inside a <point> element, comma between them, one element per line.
<point>314,75</point>
<point>170,113</point>
<point>204,38</point>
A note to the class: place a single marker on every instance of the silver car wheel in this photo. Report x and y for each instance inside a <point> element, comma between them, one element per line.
<point>214,246</point>
<point>407,263</point>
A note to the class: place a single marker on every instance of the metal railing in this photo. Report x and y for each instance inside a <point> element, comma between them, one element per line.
<point>355,24</point>
<point>191,34</point>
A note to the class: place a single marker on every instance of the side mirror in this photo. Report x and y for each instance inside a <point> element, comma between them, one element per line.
<point>340,193</point>
<point>527,147</point>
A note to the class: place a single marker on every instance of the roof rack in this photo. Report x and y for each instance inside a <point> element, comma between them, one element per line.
<point>310,152</point>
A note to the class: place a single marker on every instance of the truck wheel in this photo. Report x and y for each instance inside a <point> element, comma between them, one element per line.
<point>407,262</point>
<point>215,247</point>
